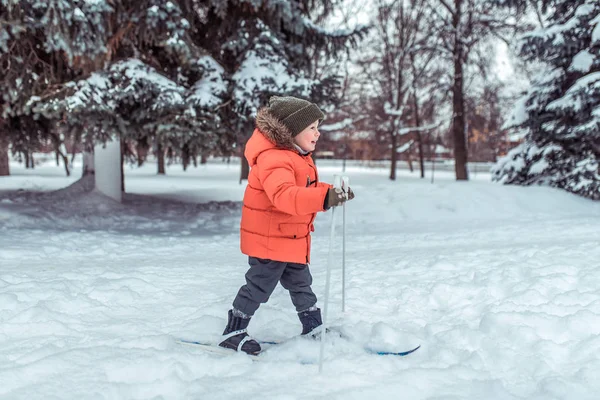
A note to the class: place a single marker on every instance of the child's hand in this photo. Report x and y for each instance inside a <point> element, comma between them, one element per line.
<point>350,193</point>
<point>336,197</point>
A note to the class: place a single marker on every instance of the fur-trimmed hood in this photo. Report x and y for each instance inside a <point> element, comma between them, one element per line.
<point>270,133</point>
<point>274,130</point>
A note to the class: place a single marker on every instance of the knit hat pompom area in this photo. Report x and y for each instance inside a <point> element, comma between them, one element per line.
<point>296,114</point>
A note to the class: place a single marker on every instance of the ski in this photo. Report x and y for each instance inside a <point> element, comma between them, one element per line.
<point>216,349</point>
<point>392,353</point>
<point>368,350</point>
<point>342,335</point>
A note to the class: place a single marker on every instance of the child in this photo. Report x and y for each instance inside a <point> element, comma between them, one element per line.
<point>281,202</point>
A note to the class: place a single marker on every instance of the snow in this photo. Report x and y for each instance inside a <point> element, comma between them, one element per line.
<point>584,10</point>
<point>439,149</point>
<point>338,32</point>
<point>582,62</point>
<point>596,31</point>
<point>405,146</point>
<point>516,136</point>
<point>337,126</point>
<point>392,111</point>
<point>539,167</point>
<point>590,80</point>
<point>260,73</point>
<point>79,14</point>
<point>206,91</point>
<point>139,73</point>
<point>578,93</point>
<point>90,91</point>
<point>518,114</point>
<point>499,284</point>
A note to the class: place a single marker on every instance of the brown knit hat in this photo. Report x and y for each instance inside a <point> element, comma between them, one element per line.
<point>296,114</point>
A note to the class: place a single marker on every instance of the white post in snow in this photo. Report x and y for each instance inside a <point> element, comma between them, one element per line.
<point>88,163</point>
<point>107,166</point>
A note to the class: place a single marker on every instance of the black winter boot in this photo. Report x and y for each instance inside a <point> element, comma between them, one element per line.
<point>310,320</point>
<point>236,337</point>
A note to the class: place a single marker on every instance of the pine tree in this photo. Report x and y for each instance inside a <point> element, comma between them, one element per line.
<point>187,75</point>
<point>559,115</point>
<point>97,70</point>
<point>43,44</point>
<point>270,47</point>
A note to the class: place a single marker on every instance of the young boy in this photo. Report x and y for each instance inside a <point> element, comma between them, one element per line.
<point>281,202</point>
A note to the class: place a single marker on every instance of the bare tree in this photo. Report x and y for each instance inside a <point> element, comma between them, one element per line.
<point>462,25</point>
<point>396,63</point>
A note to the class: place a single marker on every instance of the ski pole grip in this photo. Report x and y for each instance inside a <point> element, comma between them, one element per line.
<point>345,185</point>
<point>342,182</point>
<point>337,181</point>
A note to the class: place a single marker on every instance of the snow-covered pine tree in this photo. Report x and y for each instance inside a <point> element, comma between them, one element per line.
<point>559,115</point>
<point>157,83</point>
<point>138,68</point>
<point>270,47</point>
<point>42,43</point>
<point>103,69</point>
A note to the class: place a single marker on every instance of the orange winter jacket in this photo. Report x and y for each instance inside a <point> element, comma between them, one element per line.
<point>283,195</point>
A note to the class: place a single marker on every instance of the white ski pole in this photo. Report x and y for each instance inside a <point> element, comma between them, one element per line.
<point>345,186</point>
<point>336,184</point>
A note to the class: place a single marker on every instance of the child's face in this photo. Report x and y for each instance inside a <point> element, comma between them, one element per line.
<point>307,139</point>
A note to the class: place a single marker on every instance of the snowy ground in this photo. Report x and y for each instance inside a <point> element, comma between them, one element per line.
<point>500,285</point>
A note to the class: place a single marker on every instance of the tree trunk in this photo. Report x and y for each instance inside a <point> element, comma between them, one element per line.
<point>66,162</point>
<point>160,156</point>
<point>394,157</point>
<point>185,156</point>
<point>458,102</point>
<point>26,159</point>
<point>419,137</point>
<point>141,150</point>
<point>245,167</point>
<point>74,152</point>
<point>60,151</point>
<point>203,158</point>
<point>4,165</point>
<point>421,155</point>
<point>123,144</point>
<point>31,161</point>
